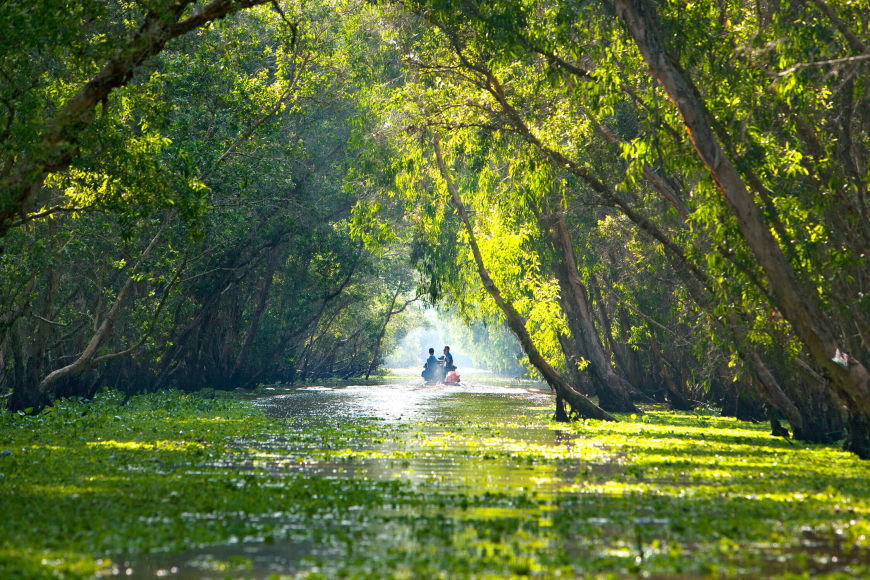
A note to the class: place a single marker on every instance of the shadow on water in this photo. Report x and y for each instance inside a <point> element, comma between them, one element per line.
<point>500,487</point>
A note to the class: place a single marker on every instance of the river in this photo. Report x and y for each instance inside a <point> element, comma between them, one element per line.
<point>485,485</point>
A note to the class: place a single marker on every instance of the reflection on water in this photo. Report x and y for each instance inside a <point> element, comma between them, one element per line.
<point>422,423</point>
<point>460,416</point>
<point>402,402</point>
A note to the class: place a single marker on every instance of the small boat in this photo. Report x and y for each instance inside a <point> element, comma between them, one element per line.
<point>442,378</point>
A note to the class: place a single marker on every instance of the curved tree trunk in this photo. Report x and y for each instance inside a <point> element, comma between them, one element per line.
<point>769,390</point>
<point>59,144</point>
<point>767,387</point>
<point>614,393</point>
<point>383,331</point>
<point>81,363</point>
<point>580,404</point>
<point>85,358</point>
<point>774,396</point>
<point>794,300</point>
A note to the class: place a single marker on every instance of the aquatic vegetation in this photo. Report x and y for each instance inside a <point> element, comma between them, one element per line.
<point>350,483</point>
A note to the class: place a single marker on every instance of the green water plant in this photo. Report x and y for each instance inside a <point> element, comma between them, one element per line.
<point>477,485</point>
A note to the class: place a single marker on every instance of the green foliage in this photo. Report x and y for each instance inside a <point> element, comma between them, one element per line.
<point>546,106</point>
<point>237,157</point>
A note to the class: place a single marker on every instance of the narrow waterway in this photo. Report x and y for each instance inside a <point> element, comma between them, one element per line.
<point>449,424</point>
<point>477,481</point>
<point>428,437</point>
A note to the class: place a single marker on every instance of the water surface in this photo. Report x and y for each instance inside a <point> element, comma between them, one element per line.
<point>488,484</point>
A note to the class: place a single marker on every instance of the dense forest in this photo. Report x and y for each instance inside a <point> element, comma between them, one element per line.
<point>658,201</point>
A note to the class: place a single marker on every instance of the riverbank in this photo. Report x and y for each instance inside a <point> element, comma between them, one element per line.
<point>399,481</point>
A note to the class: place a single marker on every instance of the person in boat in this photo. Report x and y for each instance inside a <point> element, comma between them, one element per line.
<point>432,369</point>
<point>448,360</point>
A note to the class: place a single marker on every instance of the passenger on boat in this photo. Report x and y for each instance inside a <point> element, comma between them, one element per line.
<point>432,369</point>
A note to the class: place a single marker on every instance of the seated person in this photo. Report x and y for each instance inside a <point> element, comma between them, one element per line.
<point>448,360</point>
<point>432,370</point>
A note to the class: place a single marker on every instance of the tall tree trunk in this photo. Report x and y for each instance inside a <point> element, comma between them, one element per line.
<point>793,300</point>
<point>614,393</point>
<point>580,404</point>
<point>253,327</point>
<point>605,319</point>
<point>675,396</point>
<point>573,359</point>
<point>773,395</point>
<point>383,331</point>
<point>84,359</point>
